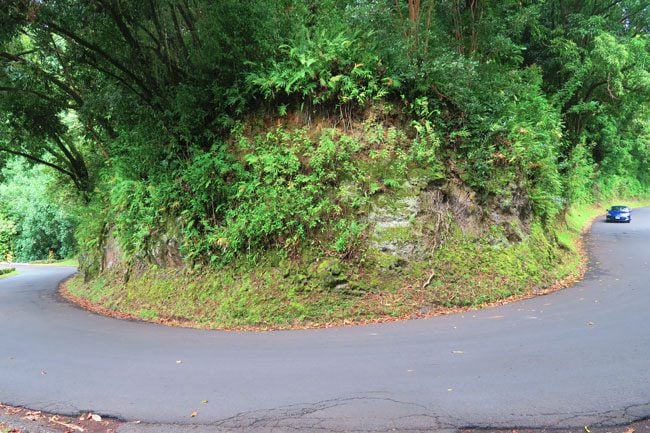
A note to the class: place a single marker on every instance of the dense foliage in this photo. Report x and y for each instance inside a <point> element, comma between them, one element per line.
<point>240,127</point>
<point>33,224</point>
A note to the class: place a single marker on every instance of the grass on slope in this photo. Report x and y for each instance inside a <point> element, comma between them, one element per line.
<point>465,272</point>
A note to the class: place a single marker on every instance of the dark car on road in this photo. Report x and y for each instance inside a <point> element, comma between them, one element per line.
<point>619,214</point>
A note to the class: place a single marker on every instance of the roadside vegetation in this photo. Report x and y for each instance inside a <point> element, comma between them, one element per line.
<point>468,272</point>
<point>277,163</point>
<point>6,272</point>
<point>34,224</point>
<point>54,262</point>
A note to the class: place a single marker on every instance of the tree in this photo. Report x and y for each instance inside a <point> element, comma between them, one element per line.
<point>36,225</point>
<point>149,72</point>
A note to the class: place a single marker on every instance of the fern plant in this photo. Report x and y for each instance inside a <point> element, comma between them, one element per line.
<point>332,71</point>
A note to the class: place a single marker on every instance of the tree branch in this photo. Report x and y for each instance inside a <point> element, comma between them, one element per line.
<point>37,160</point>
<point>48,76</point>
<point>147,93</point>
<point>179,34</point>
<point>146,99</point>
<point>66,71</point>
<point>607,7</point>
<point>121,26</point>
<point>35,93</point>
<point>189,21</point>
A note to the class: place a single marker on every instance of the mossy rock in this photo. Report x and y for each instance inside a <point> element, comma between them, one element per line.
<point>398,234</point>
<point>330,273</point>
<point>386,261</point>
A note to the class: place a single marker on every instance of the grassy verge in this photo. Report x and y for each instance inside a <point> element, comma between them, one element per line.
<point>63,262</point>
<point>472,272</point>
<point>466,272</point>
<point>7,272</point>
<point>262,298</point>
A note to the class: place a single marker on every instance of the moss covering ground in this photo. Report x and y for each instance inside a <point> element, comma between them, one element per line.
<point>467,271</point>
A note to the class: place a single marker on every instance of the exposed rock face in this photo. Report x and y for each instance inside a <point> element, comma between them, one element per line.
<point>162,249</point>
<point>112,256</point>
<point>411,222</point>
<point>392,239</point>
<point>405,225</point>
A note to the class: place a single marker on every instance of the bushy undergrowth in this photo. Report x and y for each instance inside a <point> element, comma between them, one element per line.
<point>510,141</point>
<point>285,189</point>
<point>337,72</point>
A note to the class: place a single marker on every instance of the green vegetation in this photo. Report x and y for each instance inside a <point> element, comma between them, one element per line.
<point>33,224</point>
<point>467,271</point>
<point>62,262</point>
<point>276,162</point>
<point>6,272</point>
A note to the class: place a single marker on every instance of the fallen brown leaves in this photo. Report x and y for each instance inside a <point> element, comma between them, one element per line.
<point>10,410</point>
<point>86,423</point>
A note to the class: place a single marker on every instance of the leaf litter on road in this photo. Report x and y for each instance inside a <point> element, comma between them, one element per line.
<point>21,420</point>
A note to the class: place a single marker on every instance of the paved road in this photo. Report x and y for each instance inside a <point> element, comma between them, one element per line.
<point>577,357</point>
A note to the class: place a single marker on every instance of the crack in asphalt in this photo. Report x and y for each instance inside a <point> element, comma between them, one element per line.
<point>314,418</point>
<point>604,419</point>
<point>564,420</point>
<point>304,417</point>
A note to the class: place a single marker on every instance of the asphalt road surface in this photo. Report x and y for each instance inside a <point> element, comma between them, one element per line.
<point>577,357</point>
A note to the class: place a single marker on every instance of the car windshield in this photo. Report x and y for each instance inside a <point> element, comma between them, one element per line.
<point>619,209</point>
